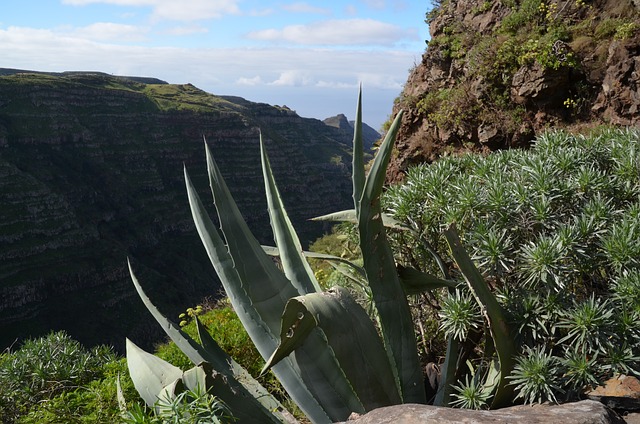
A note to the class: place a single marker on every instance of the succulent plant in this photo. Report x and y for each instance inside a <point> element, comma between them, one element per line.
<point>329,355</point>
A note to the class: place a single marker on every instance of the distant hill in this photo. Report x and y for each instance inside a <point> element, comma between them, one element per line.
<point>369,135</point>
<point>144,80</point>
<point>91,172</point>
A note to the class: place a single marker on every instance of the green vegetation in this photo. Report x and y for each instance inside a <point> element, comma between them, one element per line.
<point>300,330</point>
<point>569,37</point>
<point>54,380</point>
<point>312,321</point>
<point>556,230</point>
<point>553,239</point>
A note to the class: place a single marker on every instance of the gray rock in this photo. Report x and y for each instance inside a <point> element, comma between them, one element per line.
<point>583,412</point>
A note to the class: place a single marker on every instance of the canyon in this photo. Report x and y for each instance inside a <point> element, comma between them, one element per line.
<point>91,173</point>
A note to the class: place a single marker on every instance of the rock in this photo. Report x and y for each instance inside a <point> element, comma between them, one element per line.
<point>541,86</point>
<point>619,100</point>
<point>621,393</point>
<point>583,412</point>
<point>493,102</point>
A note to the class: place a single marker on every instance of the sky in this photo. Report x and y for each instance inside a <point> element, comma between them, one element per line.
<point>308,55</point>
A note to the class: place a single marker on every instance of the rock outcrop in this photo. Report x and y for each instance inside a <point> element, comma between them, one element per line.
<point>496,74</point>
<point>91,173</point>
<point>584,412</point>
<point>369,135</point>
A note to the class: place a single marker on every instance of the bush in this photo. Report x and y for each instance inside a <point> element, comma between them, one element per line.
<point>556,230</point>
<point>55,379</point>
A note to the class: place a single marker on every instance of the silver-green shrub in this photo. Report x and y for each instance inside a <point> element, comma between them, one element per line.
<point>556,230</point>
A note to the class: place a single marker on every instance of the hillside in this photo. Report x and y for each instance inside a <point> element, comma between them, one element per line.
<point>497,73</point>
<point>91,173</point>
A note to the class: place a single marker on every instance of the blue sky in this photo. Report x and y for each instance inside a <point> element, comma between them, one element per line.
<point>308,55</point>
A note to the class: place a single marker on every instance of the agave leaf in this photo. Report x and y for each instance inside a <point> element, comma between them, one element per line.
<point>492,379</point>
<point>269,289</point>
<point>448,373</point>
<point>273,251</point>
<point>359,278</point>
<point>211,353</point>
<point>349,215</point>
<point>241,403</point>
<point>196,377</point>
<point>357,168</point>
<point>122,402</point>
<point>297,324</point>
<point>187,345</point>
<point>150,374</point>
<point>415,281</point>
<point>256,389</point>
<point>351,336</point>
<point>259,291</point>
<point>265,340</point>
<point>296,268</point>
<point>390,300</point>
<point>494,314</point>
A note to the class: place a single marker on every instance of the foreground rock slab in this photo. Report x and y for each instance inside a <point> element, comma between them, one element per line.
<point>620,393</point>
<point>583,412</point>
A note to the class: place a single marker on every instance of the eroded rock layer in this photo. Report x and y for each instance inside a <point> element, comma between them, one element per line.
<point>91,172</point>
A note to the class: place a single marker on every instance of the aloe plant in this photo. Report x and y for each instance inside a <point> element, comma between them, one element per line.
<point>322,346</point>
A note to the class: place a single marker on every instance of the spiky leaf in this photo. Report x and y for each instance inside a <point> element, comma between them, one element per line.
<point>395,317</point>
<point>150,374</point>
<point>495,316</point>
<point>296,268</point>
<point>351,337</point>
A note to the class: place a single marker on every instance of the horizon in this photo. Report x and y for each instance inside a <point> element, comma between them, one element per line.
<point>309,56</point>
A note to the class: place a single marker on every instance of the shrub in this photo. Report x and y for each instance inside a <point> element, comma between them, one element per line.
<point>55,379</point>
<point>556,229</point>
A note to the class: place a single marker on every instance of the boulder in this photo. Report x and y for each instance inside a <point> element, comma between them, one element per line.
<point>583,412</point>
<point>621,393</point>
<point>619,100</point>
<point>536,85</point>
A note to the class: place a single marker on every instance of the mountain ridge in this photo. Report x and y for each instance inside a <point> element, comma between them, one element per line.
<point>91,173</point>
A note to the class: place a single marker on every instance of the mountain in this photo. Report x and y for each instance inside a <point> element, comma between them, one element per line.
<point>91,173</point>
<point>496,74</point>
<point>369,135</point>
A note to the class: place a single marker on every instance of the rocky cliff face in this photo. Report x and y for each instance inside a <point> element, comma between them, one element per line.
<point>496,73</point>
<point>369,135</point>
<point>91,173</point>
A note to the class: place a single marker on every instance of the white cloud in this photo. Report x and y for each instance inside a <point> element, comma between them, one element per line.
<point>108,31</point>
<point>338,32</point>
<point>260,12</point>
<point>175,10</point>
<point>315,82</point>
<point>293,78</point>
<point>350,10</point>
<point>306,8</point>
<point>187,30</point>
<point>334,84</point>
<point>375,4</point>
<point>257,80</point>
<point>371,79</point>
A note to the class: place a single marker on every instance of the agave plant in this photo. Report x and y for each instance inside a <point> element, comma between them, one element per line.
<point>329,355</point>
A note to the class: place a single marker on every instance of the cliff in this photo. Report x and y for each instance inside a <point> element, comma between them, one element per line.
<point>369,135</point>
<point>91,172</point>
<point>497,73</point>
